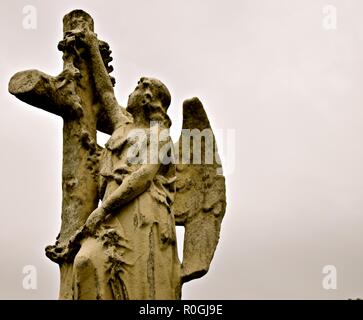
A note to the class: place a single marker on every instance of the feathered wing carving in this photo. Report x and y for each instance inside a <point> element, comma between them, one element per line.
<point>200,200</point>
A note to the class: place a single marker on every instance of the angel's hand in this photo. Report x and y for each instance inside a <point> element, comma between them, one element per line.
<point>57,252</point>
<point>86,37</point>
<point>89,38</point>
<point>65,252</point>
<point>80,38</point>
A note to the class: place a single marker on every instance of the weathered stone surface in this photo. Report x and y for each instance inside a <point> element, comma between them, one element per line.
<point>200,200</point>
<point>125,248</point>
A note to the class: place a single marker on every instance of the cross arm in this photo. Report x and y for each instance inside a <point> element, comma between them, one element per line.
<point>53,94</point>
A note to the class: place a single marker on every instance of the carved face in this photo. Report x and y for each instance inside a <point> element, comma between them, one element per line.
<point>150,96</point>
<point>142,95</point>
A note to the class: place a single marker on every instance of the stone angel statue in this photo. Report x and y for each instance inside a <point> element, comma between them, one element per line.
<point>126,248</point>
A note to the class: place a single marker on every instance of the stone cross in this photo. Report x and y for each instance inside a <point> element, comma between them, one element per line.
<point>70,95</point>
<point>189,194</point>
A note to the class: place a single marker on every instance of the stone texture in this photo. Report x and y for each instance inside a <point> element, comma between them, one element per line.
<point>124,248</point>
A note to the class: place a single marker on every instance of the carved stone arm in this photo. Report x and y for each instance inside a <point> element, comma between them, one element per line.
<point>104,88</point>
<point>132,186</point>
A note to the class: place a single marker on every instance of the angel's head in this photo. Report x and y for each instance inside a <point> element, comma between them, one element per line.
<point>150,100</point>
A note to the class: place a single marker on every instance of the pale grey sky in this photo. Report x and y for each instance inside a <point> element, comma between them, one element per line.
<point>267,69</point>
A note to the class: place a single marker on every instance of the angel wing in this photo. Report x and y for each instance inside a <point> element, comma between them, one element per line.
<point>200,200</point>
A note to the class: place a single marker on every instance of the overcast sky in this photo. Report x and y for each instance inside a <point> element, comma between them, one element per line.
<point>267,69</point>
